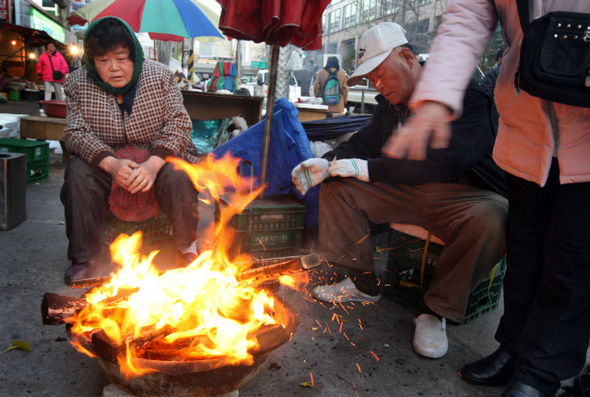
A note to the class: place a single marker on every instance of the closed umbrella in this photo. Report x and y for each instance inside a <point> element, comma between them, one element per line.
<point>275,22</point>
<point>165,20</point>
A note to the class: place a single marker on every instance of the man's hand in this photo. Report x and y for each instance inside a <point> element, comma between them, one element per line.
<point>347,168</point>
<point>429,123</point>
<point>309,173</point>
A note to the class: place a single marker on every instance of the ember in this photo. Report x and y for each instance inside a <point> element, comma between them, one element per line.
<point>218,311</point>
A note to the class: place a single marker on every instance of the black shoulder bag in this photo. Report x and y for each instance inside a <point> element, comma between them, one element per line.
<point>555,56</point>
<point>57,74</point>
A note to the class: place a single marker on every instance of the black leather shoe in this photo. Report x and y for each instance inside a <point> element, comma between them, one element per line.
<point>519,389</point>
<point>493,370</point>
<point>78,271</point>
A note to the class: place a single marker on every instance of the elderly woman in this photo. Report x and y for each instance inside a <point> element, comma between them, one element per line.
<point>125,116</point>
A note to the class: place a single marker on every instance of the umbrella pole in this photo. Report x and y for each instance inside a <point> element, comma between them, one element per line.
<point>270,101</point>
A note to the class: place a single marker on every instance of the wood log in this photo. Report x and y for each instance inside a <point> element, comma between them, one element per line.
<point>265,268</point>
<point>56,308</point>
<point>109,349</point>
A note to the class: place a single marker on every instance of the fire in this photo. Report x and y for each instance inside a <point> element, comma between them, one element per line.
<point>203,311</point>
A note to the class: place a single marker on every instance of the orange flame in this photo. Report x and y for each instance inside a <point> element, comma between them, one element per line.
<point>203,311</point>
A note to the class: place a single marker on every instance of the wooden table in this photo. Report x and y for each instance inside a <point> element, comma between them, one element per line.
<point>311,112</point>
<point>43,129</point>
<point>211,106</point>
<point>200,105</point>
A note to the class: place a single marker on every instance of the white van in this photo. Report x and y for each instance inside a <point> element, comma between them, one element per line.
<point>261,88</point>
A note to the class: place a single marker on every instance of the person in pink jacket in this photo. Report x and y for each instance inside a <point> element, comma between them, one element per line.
<point>544,148</point>
<point>50,61</point>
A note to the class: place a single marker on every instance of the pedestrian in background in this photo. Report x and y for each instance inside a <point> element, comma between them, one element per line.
<point>52,69</point>
<point>332,67</point>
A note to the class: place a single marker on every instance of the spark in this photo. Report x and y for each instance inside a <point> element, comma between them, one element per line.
<point>377,83</point>
<point>364,238</point>
<point>311,376</point>
<point>329,330</point>
<point>346,336</point>
<point>374,355</point>
<point>355,390</point>
<point>359,367</point>
<point>259,241</point>
<point>341,326</point>
<point>360,324</point>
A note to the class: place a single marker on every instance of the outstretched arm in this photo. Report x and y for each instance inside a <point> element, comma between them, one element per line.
<point>429,125</point>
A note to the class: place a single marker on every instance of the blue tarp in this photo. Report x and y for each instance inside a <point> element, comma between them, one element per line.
<point>289,146</point>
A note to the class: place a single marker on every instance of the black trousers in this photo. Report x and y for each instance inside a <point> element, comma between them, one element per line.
<point>85,195</point>
<point>546,318</point>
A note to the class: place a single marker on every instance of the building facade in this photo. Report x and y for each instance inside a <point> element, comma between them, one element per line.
<point>345,21</point>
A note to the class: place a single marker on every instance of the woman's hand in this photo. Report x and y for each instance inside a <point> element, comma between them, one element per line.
<point>120,169</point>
<point>143,177</point>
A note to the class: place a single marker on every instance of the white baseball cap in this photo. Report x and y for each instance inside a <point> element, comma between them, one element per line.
<point>374,46</point>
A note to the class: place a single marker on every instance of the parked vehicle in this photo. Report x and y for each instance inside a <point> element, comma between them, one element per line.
<point>261,88</point>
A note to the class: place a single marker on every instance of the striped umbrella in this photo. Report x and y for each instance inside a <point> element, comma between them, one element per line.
<point>166,20</point>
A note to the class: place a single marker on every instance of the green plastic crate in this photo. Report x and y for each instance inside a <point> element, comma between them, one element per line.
<point>156,232</point>
<point>37,156</point>
<point>406,283</point>
<point>276,228</point>
<point>37,170</point>
<point>35,150</point>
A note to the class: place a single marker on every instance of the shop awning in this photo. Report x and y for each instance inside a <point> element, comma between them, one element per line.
<point>39,21</point>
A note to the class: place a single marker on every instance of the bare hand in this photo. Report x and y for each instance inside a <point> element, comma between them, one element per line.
<point>429,124</point>
<point>143,177</point>
<point>120,169</point>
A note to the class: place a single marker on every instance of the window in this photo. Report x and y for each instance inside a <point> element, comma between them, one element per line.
<point>325,26</point>
<point>335,20</point>
<point>391,6</point>
<point>417,3</point>
<point>350,16</point>
<point>371,9</point>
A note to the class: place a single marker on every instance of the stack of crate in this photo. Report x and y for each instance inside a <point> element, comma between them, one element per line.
<point>410,266</point>
<point>267,228</point>
<point>37,156</point>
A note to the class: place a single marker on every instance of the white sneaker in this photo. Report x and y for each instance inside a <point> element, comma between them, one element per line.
<point>430,337</point>
<point>344,291</point>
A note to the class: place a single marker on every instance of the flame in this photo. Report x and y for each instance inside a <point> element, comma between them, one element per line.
<point>203,311</point>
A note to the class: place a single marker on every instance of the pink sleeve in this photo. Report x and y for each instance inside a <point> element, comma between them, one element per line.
<point>460,41</point>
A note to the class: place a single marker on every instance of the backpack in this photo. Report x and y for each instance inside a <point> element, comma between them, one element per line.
<point>331,91</point>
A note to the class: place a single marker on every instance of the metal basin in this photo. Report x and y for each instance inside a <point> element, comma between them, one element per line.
<point>203,378</point>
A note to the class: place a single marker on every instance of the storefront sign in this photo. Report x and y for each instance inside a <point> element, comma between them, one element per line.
<point>259,65</point>
<point>41,22</point>
<point>5,10</point>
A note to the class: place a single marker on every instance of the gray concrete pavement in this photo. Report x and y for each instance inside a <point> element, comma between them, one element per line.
<point>342,363</point>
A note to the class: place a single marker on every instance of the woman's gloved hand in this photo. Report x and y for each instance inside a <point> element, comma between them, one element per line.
<point>309,173</point>
<point>348,168</point>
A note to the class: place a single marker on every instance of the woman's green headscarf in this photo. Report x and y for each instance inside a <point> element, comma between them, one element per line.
<point>128,91</point>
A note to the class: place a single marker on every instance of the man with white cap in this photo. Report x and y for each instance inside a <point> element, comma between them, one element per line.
<point>456,194</point>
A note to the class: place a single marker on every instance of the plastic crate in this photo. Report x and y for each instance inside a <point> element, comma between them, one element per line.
<point>37,170</point>
<point>37,156</point>
<point>156,232</point>
<point>35,150</point>
<point>406,282</point>
<point>276,228</point>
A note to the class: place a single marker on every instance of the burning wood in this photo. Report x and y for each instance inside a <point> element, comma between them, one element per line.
<point>266,268</point>
<point>217,309</point>
<point>56,308</point>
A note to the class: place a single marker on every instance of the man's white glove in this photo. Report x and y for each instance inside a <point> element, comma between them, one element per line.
<point>350,168</point>
<point>309,173</point>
